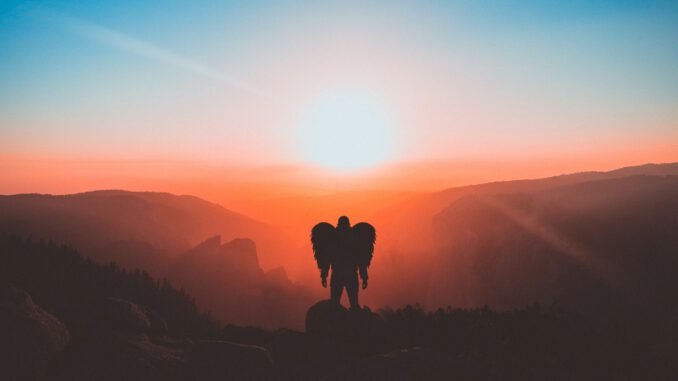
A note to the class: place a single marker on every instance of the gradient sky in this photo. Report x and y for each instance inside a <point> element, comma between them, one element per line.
<point>94,91</point>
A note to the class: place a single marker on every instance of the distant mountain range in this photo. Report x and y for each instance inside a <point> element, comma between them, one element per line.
<point>410,218</point>
<point>571,239</point>
<point>412,234</point>
<point>227,279</point>
<point>577,245</point>
<point>167,236</point>
<point>136,229</point>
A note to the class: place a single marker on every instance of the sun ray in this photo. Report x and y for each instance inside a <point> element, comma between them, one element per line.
<point>133,45</point>
<point>558,241</point>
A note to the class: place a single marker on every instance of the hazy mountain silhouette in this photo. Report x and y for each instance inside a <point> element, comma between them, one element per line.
<point>407,228</point>
<point>148,230</point>
<point>565,244</point>
<point>413,218</point>
<point>157,232</point>
<point>135,229</point>
<point>603,248</point>
<point>227,280</point>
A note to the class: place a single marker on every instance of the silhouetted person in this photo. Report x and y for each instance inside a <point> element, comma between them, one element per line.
<point>347,251</point>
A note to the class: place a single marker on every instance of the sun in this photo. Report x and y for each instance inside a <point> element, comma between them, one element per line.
<point>346,130</point>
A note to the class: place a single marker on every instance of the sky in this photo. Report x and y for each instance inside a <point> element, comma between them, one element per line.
<point>202,97</point>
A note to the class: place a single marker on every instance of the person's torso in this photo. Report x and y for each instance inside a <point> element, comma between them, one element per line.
<point>345,257</point>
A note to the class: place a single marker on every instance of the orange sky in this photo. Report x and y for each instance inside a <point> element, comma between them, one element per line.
<point>242,188</point>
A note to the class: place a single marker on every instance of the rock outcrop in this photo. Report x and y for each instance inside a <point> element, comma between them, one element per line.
<point>326,318</point>
<point>329,319</point>
<point>31,338</point>
<point>226,279</point>
<point>112,339</point>
<point>125,315</point>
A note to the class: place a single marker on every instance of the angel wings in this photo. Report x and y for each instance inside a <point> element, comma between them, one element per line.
<point>355,244</point>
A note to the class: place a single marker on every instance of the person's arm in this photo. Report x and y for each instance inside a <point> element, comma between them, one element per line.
<point>323,274</point>
<point>363,275</point>
<point>363,272</point>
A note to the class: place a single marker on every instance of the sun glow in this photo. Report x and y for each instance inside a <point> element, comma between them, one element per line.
<point>346,130</point>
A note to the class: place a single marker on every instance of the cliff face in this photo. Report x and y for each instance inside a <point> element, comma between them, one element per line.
<point>134,229</point>
<point>577,245</point>
<point>227,280</point>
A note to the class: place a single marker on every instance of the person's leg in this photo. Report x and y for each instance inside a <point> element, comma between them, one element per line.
<point>352,291</point>
<point>336,289</point>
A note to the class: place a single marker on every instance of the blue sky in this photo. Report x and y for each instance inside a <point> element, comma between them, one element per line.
<point>462,79</point>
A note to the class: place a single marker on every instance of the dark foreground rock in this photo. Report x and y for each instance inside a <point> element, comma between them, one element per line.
<point>113,339</point>
<point>126,341</point>
<point>326,318</point>
<point>357,328</point>
<point>402,365</point>
<point>223,360</point>
<point>30,338</point>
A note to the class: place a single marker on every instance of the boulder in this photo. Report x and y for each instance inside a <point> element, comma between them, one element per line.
<point>326,318</point>
<point>158,325</point>
<point>360,326</point>
<point>125,315</point>
<point>31,338</point>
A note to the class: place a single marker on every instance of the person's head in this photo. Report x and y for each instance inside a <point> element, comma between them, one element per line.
<point>343,223</point>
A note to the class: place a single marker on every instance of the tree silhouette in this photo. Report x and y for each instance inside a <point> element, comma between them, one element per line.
<point>58,279</point>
